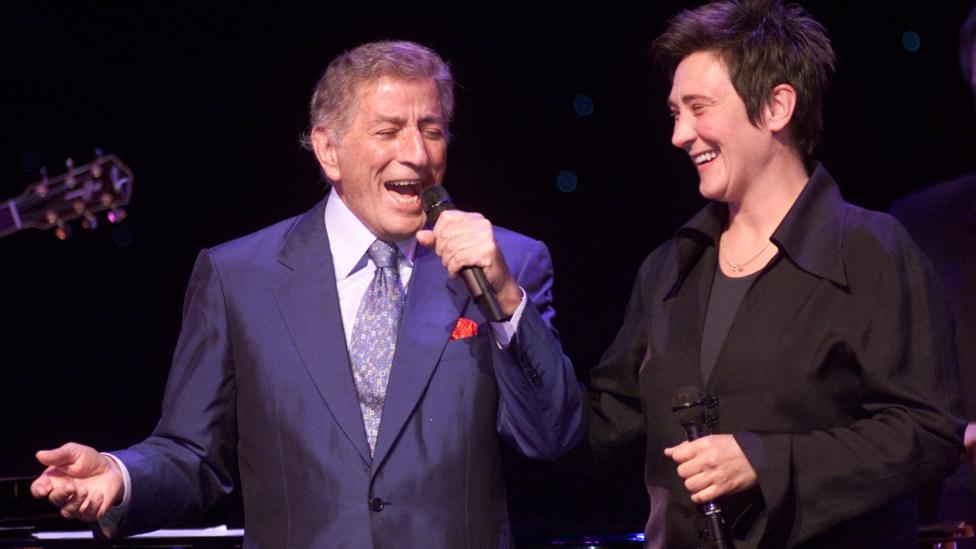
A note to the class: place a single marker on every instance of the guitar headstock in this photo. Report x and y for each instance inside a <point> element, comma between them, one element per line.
<point>79,193</point>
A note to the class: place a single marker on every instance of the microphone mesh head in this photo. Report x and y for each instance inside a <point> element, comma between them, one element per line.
<point>434,195</point>
<point>686,396</point>
<point>688,405</point>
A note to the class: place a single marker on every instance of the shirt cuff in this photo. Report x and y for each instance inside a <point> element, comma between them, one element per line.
<point>505,331</point>
<point>109,522</point>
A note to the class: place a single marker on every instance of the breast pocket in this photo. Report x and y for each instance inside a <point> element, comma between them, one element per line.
<point>474,348</point>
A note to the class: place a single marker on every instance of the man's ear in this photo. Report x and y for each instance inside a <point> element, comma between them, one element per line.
<point>779,108</point>
<point>325,151</point>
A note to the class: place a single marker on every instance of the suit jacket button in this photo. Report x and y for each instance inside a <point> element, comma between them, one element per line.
<point>376,504</point>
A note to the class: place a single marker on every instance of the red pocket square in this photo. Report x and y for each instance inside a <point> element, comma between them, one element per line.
<point>464,328</point>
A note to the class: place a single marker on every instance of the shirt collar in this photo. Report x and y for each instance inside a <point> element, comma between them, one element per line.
<point>349,238</point>
<point>811,233</point>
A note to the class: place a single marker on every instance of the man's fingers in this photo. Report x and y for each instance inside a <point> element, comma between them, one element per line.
<point>98,505</point>
<point>70,457</point>
<point>91,509</point>
<point>105,505</point>
<point>75,479</point>
<point>71,505</point>
<point>462,239</point>
<point>460,226</point>
<point>457,252</point>
<point>60,496</point>
<point>448,218</point>
<point>56,457</point>
<point>468,255</point>
<point>79,502</point>
<point>41,486</point>
<point>425,237</point>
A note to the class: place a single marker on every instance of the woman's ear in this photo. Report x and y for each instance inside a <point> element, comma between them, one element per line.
<point>778,110</point>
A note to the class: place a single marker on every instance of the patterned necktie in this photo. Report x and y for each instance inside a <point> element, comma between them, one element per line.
<point>374,336</point>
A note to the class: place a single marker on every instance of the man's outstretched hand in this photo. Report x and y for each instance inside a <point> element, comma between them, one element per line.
<point>79,480</point>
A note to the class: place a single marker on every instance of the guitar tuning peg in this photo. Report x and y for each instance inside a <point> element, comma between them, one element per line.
<point>70,180</point>
<point>116,215</point>
<point>96,170</point>
<point>90,222</point>
<point>63,231</point>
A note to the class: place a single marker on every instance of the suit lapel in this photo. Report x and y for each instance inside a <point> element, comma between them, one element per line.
<point>688,319</point>
<point>309,305</point>
<point>434,303</point>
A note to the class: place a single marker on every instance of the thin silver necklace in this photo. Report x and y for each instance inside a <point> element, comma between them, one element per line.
<point>736,267</point>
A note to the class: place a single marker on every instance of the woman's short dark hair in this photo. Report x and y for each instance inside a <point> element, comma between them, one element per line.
<point>763,44</point>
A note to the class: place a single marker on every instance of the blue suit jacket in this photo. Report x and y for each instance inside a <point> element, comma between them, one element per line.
<point>261,382</point>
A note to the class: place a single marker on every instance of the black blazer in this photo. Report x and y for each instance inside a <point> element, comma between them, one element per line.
<point>837,378</point>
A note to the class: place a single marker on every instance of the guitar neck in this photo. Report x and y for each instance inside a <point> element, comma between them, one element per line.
<point>9,219</point>
<point>81,192</point>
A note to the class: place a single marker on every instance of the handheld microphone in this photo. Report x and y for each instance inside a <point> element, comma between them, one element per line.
<point>692,410</point>
<point>436,200</point>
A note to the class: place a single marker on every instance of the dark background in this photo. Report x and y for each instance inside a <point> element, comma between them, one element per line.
<point>206,105</point>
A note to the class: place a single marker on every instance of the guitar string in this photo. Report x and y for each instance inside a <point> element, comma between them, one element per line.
<point>34,198</point>
<point>29,202</point>
<point>56,187</point>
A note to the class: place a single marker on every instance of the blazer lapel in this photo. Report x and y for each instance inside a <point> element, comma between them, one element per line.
<point>434,303</point>
<point>309,305</point>
<point>688,319</point>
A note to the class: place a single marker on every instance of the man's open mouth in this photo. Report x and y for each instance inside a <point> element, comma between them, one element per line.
<point>406,191</point>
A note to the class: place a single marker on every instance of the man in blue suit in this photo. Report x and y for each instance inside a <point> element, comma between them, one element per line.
<point>341,369</point>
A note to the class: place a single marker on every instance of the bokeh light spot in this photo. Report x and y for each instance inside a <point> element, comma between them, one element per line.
<point>566,181</point>
<point>583,105</point>
<point>911,41</point>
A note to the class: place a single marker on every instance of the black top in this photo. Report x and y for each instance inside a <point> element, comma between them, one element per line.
<point>723,302</point>
<point>837,377</point>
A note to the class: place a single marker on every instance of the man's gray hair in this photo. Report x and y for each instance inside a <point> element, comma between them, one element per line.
<point>334,102</point>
